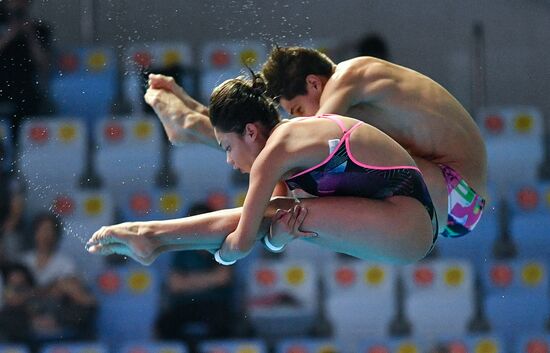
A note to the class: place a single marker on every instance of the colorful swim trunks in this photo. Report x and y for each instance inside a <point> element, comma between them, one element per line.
<point>465,205</point>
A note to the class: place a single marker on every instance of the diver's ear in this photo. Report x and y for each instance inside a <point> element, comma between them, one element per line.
<point>251,132</point>
<point>314,82</point>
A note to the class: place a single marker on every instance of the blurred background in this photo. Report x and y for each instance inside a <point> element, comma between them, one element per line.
<point>79,149</point>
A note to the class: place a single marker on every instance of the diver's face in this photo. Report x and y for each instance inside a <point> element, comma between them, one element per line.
<point>306,104</point>
<point>241,150</point>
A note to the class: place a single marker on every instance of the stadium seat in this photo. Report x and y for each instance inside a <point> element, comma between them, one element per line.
<point>307,345</point>
<point>282,297</point>
<point>392,345</point>
<point>170,58</point>
<point>232,346</point>
<point>439,296</point>
<point>225,60</point>
<point>530,220</point>
<point>82,212</point>
<point>128,152</point>
<point>201,170</point>
<point>513,136</point>
<point>516,297</point>
<point>75,347</point>
<point>475,344</point>
<point>360,298</point>
<point>129,297</point>
<point>140,346</point>
<point>533,343</point>
<point>51,158</point>
<point>86,82</point>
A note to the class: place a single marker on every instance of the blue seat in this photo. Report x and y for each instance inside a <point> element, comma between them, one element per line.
<point>232,346</point>
<point>516,297</point>
<point>201,170</point>
<point>533,343</point>
<point>475,343</point>
<point>429,288</point>
<point>282,297</point>
<point>82,212</point>
<point>52,154</point>
<point>392,345</point>
<point>151,203</point>
<point>530,219</point>
<point>128,153</point>
<point>513,137</point>
<point>307,345</point>
<point>360,298</point>
<point>140,346</point>
<point>86,84</point>
<point>170,58</point>
<point>75,347</point>
<point>129,297</point>
<point>225,60</point>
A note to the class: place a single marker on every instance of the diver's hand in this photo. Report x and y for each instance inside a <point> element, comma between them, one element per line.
<point>286,226</point>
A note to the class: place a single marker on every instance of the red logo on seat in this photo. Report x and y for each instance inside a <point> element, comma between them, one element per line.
<point>345,276</point>
<point>494,124</point>
<point>501,275</point>
<point>63,206</point>
<point>39,134</point>
<point>423,276</point>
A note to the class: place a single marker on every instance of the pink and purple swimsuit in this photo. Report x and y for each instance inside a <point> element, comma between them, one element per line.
<point>340,174</point>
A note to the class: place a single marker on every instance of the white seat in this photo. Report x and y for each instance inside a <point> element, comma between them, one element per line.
<point>232,346</point>
<point>516,296</point>
<point>307,345</point>
<point>282,297</point>
<point>128,152</point>
<point>153,56</point>
<point>201,170</point>
<point>52,158</point>
<point>360,299</point>
<point>83,212</point>
<point>224,60</point>
<point>515,143</point>
<point>439,297</point>
<point>530,219</point>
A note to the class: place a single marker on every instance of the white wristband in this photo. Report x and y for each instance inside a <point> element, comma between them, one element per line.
<point>220,261</point>
<point>270,246</point>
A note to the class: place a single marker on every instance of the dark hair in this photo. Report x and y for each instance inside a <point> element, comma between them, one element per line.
<point>18,267</point>
<point>373,45</point>
<point>239,101</point>
<point>47,217</point>
<point>286,69</point>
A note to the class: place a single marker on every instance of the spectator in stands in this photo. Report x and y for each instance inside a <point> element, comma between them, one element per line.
<point>197,288</point>
<point>24,61</point>
<point>372,44</point>
<point>11,211</point>
<point>64,307</point>
<point>45,261</point>
<point>15,312</point>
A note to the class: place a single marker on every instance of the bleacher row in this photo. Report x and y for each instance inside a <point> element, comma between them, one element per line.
<point>90,80</point>
<point>360,303</point>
